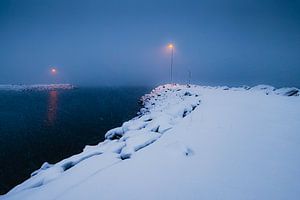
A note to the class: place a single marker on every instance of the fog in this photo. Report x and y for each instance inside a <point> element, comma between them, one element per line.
<point>115,43</point>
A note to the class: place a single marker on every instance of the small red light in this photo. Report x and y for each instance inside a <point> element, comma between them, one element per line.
<point>53,71</point>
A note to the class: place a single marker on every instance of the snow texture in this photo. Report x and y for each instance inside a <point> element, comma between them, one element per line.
<point>187,142</point>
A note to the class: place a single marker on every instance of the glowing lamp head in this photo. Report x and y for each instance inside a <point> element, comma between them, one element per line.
<point>171,46</point>
<point>53,71</point>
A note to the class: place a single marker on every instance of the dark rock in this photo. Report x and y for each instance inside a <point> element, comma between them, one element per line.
<point>187,94</point>
<point>293,92</point>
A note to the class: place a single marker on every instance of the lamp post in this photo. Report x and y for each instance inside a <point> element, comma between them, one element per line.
<point>190,76</point>
<point>171,46</point>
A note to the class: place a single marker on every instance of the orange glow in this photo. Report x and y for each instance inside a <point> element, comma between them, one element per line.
<point>52,107</point>
<point>171,46</point>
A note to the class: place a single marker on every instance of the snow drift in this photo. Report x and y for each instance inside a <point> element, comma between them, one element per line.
<point>187,142</point>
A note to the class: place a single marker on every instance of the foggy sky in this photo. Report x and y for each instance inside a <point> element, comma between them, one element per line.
<point>123,42</point>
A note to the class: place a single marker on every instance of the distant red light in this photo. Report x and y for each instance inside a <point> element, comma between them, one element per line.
<point>53,71</point>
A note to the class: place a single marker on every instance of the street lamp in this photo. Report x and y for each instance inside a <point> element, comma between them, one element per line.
<point>171,46</point>
<point>190,76</point>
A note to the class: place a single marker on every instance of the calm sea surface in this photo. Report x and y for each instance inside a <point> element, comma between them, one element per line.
<point>39,126</point>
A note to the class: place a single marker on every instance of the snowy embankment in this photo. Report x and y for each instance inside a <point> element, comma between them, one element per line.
<point>188,142</point>
<point>35,87</point>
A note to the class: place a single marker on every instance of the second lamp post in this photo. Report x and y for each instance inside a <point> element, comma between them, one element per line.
<point>171,46</point>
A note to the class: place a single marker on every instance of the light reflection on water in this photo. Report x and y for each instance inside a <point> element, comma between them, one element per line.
<point>39,126</point>
<point>52,107</point>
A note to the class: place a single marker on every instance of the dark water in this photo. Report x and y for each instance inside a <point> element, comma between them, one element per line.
<point>41,126</point>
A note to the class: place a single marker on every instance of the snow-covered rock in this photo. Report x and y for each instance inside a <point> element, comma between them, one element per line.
<point>288,91</point>
<point>38,87</point>
<point>187,142</point>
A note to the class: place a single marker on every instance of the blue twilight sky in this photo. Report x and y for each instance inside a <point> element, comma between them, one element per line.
<point>123,42</point>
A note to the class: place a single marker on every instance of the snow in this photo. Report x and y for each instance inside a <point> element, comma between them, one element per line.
<point>137,141</point>
<point>187,142</point>
<point>38,87</point>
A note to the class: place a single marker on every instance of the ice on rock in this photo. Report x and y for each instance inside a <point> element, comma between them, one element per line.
<point>132,133</point>
<point>45,166</point>
<point>115,133</point>
<point>135,124</point>
<point>138,142</point>
<point>160,124</point>
<point>292,91</point>
<point>288,91</point>
<point>146,118</point>
<point>263,87</point>
<point>115,146</point>
<point>267,89</point>
<point>112,146</point>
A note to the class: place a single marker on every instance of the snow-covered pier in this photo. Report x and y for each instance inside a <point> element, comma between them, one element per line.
<point>187,142</point>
